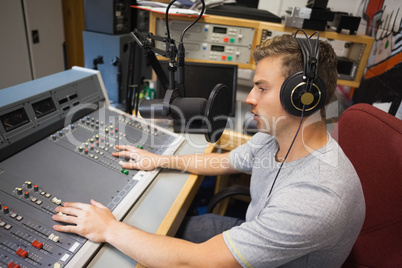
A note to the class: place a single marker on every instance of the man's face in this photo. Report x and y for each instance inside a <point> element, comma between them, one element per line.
<point>264,97</point>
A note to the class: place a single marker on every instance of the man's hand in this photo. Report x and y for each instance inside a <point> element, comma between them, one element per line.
<point>89,220</point>
<point>138,158</point>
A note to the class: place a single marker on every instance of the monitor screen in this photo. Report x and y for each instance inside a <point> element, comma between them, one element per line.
<point>201,78</point>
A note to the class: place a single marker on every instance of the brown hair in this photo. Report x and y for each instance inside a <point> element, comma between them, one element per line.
<point>287,47</point>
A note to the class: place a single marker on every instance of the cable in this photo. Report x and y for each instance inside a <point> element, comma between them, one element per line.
<point>167,18</point>
<point>291,145</point>
<point>194,22</point>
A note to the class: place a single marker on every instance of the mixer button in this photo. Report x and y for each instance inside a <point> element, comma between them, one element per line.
<point>37,244</point>
<point>22,253</point>
<point>13,215</point>
<point>12,265</point>
<point>2,223</point>
<point>19,218</point>
<point>7,227</point>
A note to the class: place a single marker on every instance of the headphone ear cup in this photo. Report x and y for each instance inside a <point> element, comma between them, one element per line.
<point>294,94</point>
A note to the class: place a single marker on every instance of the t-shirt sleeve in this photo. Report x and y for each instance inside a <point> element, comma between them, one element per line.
<point>294,224</point>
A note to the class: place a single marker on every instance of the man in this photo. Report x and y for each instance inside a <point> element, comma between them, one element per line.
<point>307,213</point>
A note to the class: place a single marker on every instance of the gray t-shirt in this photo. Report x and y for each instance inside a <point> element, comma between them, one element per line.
<point>313,215</point>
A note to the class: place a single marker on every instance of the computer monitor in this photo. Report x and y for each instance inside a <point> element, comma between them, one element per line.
<point>199,81</point>
<point>201,78</point>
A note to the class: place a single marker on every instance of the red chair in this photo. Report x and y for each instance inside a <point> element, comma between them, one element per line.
<point>372,139</point>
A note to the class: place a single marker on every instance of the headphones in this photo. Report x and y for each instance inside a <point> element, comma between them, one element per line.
<point>305,89</point>
<point>303,93</point>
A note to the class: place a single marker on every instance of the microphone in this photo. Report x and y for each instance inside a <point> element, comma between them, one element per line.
<point>180,108</point>
<point>213,112</point>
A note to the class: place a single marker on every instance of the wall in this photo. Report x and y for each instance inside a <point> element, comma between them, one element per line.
<point>32,38</point>
<point>382,81</point>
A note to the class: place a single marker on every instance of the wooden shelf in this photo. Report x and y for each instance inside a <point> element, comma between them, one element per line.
<point>359,51</point>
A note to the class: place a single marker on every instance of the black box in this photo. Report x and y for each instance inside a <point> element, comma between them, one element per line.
<point>322,14</point>
<point>108,16</point>
<point>317,4</point>
<point>318,25</point>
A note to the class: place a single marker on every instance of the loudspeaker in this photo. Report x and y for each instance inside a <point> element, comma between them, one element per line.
<point>108,54</point>
<point>304,92</point>
<point>108,16</point>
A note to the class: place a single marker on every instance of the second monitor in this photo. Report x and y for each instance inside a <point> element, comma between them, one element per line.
<point>200,79</point>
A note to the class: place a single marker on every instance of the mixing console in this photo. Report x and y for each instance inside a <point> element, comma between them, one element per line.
<point>69,159</point>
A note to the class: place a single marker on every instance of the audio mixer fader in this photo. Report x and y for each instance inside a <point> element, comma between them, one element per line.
<point>57,136</point>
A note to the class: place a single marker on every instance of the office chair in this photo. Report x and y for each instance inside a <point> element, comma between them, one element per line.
<point>372,140</point>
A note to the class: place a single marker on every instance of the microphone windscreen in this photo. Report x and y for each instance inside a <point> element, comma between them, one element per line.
<point>187,108</point>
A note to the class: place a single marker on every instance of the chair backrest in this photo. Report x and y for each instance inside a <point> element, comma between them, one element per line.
<point>372,140</point>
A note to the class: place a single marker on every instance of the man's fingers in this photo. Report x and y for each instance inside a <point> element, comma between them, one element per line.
<point>130,165</point>
<point>65,228</point>
<point>65,218</point>
<point>125,147</point>
<point>97,204</point>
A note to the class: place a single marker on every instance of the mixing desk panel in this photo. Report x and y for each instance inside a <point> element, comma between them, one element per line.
<point>70,161</point>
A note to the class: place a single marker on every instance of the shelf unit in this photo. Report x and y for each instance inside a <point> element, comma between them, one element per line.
<point>359,46</point>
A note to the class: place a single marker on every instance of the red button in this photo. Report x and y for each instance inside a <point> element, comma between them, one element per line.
<point>226,39</point>
<point>223,57</point>
<point>12,265</point>
<point>22,253</point>
<point>37,244</point>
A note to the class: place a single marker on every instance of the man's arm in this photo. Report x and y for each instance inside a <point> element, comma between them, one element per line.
<point>97,223</point>
<point>202,164</point>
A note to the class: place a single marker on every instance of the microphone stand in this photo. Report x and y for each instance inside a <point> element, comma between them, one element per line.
<point>147,43</point>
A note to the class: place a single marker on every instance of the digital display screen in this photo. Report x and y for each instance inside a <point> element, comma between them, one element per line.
<point>43,107</point>
<point>220,30</point>
<point>14,119</point>
<point>217,48</point>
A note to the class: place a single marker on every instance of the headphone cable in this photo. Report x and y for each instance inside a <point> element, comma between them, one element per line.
<point>291,145</point>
